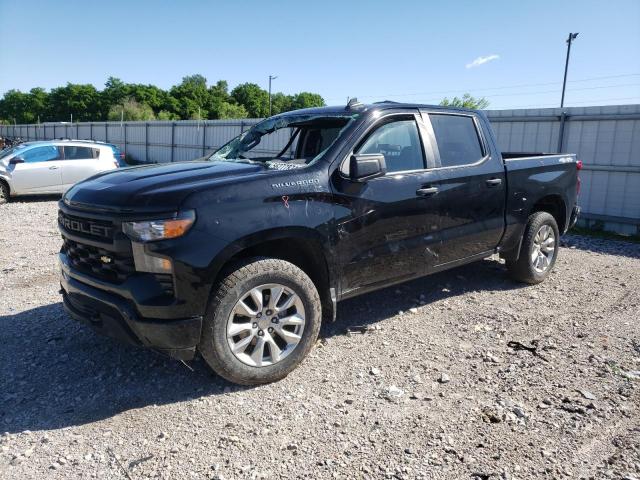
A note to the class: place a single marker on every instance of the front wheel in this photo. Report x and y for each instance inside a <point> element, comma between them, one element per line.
<point>538,251</point>
<point>261,322</point>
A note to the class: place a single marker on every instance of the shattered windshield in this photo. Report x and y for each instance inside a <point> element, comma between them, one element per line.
<point>285,141</point>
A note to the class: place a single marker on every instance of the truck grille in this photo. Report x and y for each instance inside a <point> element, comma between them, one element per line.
<point>97,262</point>
<point>91,228</point>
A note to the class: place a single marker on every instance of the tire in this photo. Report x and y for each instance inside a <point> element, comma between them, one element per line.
<point>225,314</point>
<point>536,258</point>
<point>4,192</point>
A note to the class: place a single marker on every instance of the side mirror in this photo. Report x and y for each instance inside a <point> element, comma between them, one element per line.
<point>16,160</point>
<point>365,167</point>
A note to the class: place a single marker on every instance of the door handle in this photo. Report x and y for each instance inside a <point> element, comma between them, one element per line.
<point>493,182</point>
<point>427,191</point>
<point>54,168</point>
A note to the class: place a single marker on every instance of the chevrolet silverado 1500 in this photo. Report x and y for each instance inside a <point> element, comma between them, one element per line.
<point>240,255</point>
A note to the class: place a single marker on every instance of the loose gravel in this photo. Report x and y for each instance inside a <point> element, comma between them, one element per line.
<point>461,375</point>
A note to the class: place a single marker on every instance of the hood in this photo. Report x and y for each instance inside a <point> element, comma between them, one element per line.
<point>160,187</point>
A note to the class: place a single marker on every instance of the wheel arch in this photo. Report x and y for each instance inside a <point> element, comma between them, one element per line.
<point>4,181</point>
<point>554,205</point>
<point>303,247</point>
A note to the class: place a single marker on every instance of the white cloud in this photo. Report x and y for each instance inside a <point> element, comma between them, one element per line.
<point>482,60</point>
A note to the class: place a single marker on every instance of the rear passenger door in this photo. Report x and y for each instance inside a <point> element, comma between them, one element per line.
<point>79,163</point>
<point>471,186</point>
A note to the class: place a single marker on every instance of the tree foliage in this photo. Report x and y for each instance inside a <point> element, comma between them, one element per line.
<point>83,102</point>
<point>253,98</point>
<point>467,101</point>
<point>192,98</point>
<point>131,110</point>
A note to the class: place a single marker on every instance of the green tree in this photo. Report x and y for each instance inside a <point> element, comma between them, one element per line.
<point>131,110</point>
<point>81,101</point>
<point>253,98</point>
<point>307,100</point>
<point>281,103</point>
<point>151,95</point>
<point>13,106</point>
<point>231,110</point>
<point>167,115</point>
<point>37,105</point>
<point>217,99</point>
<point>467,101</point>
<point>114,93</point>
<point>24,107</point>
<point>192,97</point>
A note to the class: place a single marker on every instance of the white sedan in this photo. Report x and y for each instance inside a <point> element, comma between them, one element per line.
<point>49,167</point>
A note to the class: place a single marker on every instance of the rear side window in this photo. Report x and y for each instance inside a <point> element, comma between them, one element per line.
<point>41,154</point>
<point>457,138</point>
<point>79,153</point>
<point>399,142</point>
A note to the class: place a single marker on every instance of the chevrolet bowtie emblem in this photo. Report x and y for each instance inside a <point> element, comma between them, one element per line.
<point>105,259</point>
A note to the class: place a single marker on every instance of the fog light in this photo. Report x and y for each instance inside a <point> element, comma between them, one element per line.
<point>145,262</point>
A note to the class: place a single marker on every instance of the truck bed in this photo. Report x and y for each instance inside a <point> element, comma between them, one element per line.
<point>547,178</point>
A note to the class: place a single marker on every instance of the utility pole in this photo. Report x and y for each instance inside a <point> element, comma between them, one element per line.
<point>572,37</point>
<point>271,77</point>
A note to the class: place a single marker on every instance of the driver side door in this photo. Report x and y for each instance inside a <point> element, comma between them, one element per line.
<point>38,172</point>
<point>386,226</point>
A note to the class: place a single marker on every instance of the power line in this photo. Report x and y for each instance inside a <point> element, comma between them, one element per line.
<point>517,94</point>
<point>444,92</point>
<point>592,100</point>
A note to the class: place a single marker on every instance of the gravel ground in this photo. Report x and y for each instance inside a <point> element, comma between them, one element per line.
<point>430,390</point>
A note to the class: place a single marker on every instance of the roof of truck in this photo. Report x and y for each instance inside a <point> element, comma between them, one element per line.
<point>363,107</point>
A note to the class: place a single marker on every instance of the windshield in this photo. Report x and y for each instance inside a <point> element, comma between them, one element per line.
<point>11,151</point>
<point>285,141</point>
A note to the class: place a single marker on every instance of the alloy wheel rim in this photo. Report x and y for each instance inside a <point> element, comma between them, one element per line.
<point>544,248</point>
<point>266,325</point>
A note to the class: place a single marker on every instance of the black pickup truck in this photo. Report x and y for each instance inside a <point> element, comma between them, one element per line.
<point>240,255</point>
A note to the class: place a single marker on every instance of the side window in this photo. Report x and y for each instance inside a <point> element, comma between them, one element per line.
<point>79,153</point>
<point>399,142</point>
<point>41,154</point>
<point>457,139</point>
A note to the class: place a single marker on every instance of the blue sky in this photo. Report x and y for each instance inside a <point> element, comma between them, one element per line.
<point>399,50</point>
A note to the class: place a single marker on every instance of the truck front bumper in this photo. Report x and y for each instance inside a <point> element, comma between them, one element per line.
<point>114,316</point>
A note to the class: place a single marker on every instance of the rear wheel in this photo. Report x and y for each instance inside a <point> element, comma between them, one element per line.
<point>261,322</point>
<point>538,251</point>
<point>4,192</point>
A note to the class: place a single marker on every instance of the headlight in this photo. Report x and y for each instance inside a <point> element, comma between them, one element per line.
<point>151,230</point>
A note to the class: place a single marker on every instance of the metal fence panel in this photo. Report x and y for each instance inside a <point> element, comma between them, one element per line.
<point>605,138</point>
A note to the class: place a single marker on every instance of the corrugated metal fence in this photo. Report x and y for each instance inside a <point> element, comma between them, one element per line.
<point>146,142</point>
<point>606,139</point>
